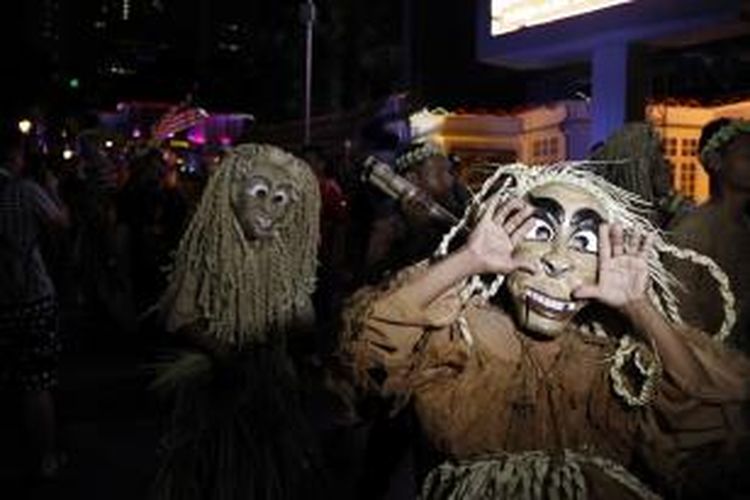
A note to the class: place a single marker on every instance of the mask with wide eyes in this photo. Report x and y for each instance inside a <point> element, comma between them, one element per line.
<point>585,240</point>
<point>541,230</point>
<point>258,189</point>
<point>281,198</point>
<point>261,205</point>
<point>261,191</point>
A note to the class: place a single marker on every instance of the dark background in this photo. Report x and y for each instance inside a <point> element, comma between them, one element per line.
<point>248,56</point>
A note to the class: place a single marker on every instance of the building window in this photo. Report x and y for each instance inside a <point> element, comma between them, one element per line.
<point>554,148</point>
<point>689,147</point>
<point>671,147</point>
<point>546,150</point>
<point>687,179</point>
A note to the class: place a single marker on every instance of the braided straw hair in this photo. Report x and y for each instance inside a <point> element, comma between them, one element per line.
<point>632,159</point>
<point>624,207</point>
<point>240,289</point>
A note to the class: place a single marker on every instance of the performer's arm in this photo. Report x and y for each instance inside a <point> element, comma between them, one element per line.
<point>623,283</point>
<point>390,333</point>
<point>677,357</point>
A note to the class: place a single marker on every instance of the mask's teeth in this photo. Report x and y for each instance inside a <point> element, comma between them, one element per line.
<point>549,302</point>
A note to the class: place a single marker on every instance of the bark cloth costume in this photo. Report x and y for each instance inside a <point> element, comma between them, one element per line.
<point>572,378</point>
<point>241,285</point>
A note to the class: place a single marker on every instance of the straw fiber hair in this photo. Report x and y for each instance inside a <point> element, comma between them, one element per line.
<point>241,290</point>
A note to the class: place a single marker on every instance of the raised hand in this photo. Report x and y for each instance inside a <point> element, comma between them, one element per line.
<point>623,267</point>
<point>495,236</point>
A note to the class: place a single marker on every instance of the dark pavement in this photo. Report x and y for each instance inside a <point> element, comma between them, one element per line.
<point>110,424</point>
<point>108,420</point>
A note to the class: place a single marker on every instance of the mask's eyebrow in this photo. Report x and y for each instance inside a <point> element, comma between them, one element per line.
<point>256,178</point>
<point>547,208</point>
<point>586,218</point>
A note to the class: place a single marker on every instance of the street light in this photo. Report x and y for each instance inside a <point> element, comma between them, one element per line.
<point>307,16</point>
<point>24,126</point>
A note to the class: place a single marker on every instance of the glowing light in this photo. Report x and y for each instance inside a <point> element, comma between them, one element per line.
<point>24,126</point>
<point>196,136</point>
<point>67,154</point>
<point>425,123</point>
<point>513,15</point>
<point>136,133</point>
<point>108,144</point>
<point>225,141</point>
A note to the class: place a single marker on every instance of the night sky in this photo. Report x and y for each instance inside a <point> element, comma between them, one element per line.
<point>248,56</point>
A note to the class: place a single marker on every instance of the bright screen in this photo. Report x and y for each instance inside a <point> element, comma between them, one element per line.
<point>513,15</point>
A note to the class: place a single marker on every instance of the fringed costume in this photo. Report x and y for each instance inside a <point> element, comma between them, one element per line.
<point>605,417</point>
<point>240,287</point>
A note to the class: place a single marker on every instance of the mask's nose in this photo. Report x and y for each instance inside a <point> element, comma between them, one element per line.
<point>556,263</point>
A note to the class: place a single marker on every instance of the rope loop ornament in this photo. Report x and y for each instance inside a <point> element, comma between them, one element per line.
<point>628,350</point>
<point>722,282</point>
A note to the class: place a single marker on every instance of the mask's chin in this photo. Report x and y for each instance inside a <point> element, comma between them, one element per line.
<point>541,326</point>
<point>257,226</point>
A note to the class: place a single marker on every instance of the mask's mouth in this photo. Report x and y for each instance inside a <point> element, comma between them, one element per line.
<point>262,226</point>
<point>263,222</point>
<point>547,306</point>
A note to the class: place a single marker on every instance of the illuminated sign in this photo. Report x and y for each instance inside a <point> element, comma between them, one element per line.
<point>513,15</point>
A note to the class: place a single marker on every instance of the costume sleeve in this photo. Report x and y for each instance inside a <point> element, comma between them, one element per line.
<point>687,421</point>
<point>392,344</point>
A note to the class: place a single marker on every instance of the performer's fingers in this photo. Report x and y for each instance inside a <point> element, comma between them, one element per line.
<point>647,243</point>
<point>618,240</point>
<point>491,207</point>
<point>513,206</point>
<point>521,216</point>
<point>605,245</point>
<point>633,242</point>
<point>586,292</point>
<point>520,233</point>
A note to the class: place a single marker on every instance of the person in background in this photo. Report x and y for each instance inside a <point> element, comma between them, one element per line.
<point>29,343</point>
<point>104,286</point>
<point>334,219</point>
<point>720,229</point>
<point>403,232</point>
<point>152,213</point>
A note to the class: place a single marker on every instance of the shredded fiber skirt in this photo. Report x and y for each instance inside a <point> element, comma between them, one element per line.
<point>237,429</point>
